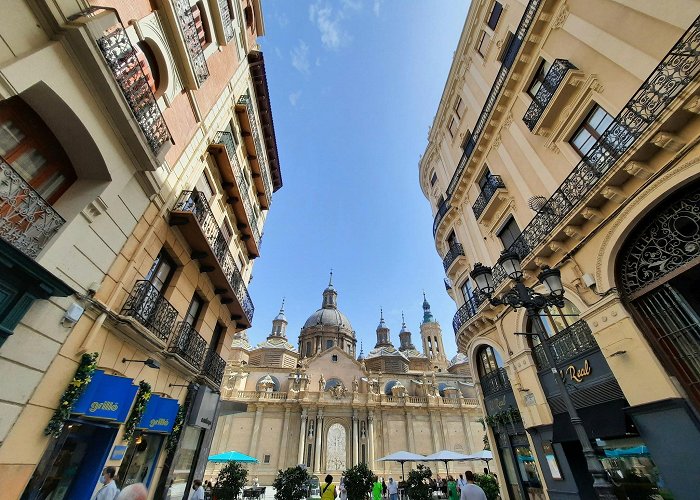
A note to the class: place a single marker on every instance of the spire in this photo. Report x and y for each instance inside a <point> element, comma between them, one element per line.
<point>279,324</point>
<point>382,324</point>
<point>330,296</point>
<point>362,352</point>
<point>280,315</point>
<point>427,315</point>
<point>405,336</point>
<point>330,281</point>
<point>404,328</point>
<point>382,331</point>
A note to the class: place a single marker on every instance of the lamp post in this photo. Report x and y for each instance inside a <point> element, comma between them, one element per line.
<point>533,302</point>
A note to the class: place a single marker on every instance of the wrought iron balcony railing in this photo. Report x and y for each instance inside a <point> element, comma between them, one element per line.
<point>466,312</point>
<point>452,254</point>
<point>188,27</point>
<point>226,138</point>
<point>27,221</point>
<point>448,283</point>
<point>188,344</point>
<point>566,345</point>
<point>675,71</point>
<point>124,64</point>
<point>494,382</point>
<point>147,306</point>
<point>229,32</point>
<point>196,204</point>
<point>259,151</point>
<point>442,210</point>
<point>544,94</point>
<point>493,183</point>
<point>213,368</point>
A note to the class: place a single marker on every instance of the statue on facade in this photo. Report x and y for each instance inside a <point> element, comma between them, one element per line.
<point>321,383</point>
<point>338,391</point>
<point>355,384</point>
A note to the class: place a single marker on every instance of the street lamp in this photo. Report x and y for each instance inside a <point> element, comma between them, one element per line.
<point>533,302</point>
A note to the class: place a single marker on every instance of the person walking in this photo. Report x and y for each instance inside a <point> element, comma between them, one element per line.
<point>377,489</point>
<point>452,493</point>
<point>471,491</point>
<point>461,483</point>
<point>198,490</point>
<point>383,488</point>
<point>342,489</point>
<point>109,491</point>
<point>393,489</point>
<point>328,490</point>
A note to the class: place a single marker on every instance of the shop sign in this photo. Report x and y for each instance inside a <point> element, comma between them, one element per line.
<point>576,374</point>
<point>204,408</point>
<point>107,397</point>
<point>159,415</point>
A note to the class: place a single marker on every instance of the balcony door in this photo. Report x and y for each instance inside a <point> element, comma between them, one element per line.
<point>161,272</point>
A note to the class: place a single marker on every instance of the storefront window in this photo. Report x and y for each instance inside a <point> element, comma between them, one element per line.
<point>140,460</point>
<point>526,465</point>
<point>631,469</point>
<point>511,475</point>
<point>189,444</point>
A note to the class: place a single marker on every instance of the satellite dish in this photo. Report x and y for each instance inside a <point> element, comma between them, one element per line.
<point>536,203</point>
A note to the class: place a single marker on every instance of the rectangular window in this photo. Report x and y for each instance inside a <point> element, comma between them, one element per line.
<point>452,239</point>
<point>308,348</point>
<point>552,462</point>
<point>204,186</point>
<point>537,80</point>
<point>458,107</point>
<point>468,144</point>
<point>226,230</point>
<point>266,459</point>
<point>309,454</point>
<point>217,338</point>
<point>194,310</point>
<point>433,179</point>
<point>484,179</point>
<point>495,15</point>
<point>483,45</point>
<point>509,233</point>
<point>161,271</point>
<point>201,23</point>
<point>329,344</point>
<point>231,130</point>
<point>468,294</point>
<point>590,130</point>
<point>452,127</point>
<point>506,48</point>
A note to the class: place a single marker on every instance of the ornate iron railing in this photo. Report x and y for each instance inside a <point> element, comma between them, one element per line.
<point>494,382</point>
<point>466,312</point>
<point>493,183</point>
<point>544,94</point>
<point>226,138</point>
<point>147,306</point>
<point>214,366</point>
<point>448,283</point>
<point>566,345</point>
<point>195,203</point>
<point>452,254</point>
<point>442,210</point>
<point>27,221</point>
<point>188,344</point>
<point>124,64</point>
<point>192,43</point>
<point>675,71</point>
<point>229,32</point>
<point>259,151</point>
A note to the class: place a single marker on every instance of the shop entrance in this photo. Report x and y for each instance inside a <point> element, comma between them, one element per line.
<point>73,467</point>
<point>140,460</point>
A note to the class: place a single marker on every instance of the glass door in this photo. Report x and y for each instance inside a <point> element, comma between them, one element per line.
<point>140,460</point>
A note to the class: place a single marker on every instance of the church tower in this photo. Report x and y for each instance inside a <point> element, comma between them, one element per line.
<point>279,324</point>
<point>383,339</point>
<point>431,335</point>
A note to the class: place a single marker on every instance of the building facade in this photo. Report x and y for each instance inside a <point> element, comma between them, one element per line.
<point>567,133</point>
<point>328,409</point>
<point>138,160</point>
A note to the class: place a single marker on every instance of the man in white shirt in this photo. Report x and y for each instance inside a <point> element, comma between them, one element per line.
<point>393,489</point>
<point>109,491</point>
<point>461,483</point>
<point>198,490</point>
<point>471,491</point>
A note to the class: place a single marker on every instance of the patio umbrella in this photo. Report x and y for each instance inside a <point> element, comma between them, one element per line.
<point>402,457</point>
<point>484,455</point>
<point>232,456</point>
<point>446,456</point>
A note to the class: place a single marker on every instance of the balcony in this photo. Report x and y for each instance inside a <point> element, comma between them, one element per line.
<point>147,306</point>
<point>213,368</point>
<point>209,246</point>
<point>466,312</point>
<point>188,346</point>
<point>258,162</point>
<point>237,187</point>
<point>27,221</point>
<point>442,210</point>
<point>452,255</point>
<point>566,345</point>
<point>545,94</point>
<point>494,382</point>
<point>192,45</point>
<point>226,26</point>
<point>491,187</point>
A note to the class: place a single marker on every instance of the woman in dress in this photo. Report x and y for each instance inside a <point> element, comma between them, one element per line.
<point>328,490</point>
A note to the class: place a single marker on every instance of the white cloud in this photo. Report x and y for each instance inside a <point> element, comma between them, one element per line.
<point>294,97</point>
<point>300,57</point>
<point>376,7</point>
<point>328,21</point>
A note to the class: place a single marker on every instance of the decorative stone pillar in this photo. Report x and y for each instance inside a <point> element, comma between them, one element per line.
<point>434,432</point>
<point>355,438</point>
<point>256,431</point>
<point>410,438</point>
<point>317,451</point>
<point>285,436</point>
<point>370,439</point>
<point>302,437</point>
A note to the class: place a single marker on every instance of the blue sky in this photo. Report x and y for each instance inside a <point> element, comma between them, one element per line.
<point>354,87</point>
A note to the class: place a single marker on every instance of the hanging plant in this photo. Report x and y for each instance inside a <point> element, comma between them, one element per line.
<point>81,379</point>
<point>174,436</point>
<point>142,398</point>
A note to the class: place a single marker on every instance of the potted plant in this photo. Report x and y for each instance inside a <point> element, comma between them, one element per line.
<point>358,481</point>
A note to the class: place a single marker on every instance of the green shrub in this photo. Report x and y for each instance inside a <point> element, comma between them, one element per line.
<point>230,481</point>
<point>291,484</point>
<point>417,485</point>
<point>489,484</point>
<point>358,481</point>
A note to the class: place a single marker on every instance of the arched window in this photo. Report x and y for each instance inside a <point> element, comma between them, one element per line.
<point>389,385</point>
<point>268,383</point>
<point>555,319</point>
<point>199,14</point>
<point>488,361</point>
<point>27,144</point>
<point>149,64</point>
<point>333,383</point>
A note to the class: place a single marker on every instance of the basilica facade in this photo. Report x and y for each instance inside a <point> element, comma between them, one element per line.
<point>322,405</point>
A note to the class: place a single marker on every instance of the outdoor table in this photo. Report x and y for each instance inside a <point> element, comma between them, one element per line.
<point>255,492</point>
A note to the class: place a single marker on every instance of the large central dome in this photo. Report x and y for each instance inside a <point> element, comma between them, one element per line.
<point>328,317</point>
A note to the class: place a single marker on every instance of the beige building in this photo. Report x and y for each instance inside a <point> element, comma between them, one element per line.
<point>138,161</point>
<point>326,408</point>
<point>567,133</point>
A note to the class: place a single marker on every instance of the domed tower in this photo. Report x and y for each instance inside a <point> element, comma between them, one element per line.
<point>327,327</point>
<point>417,360</point>
<point>431,334</point>
<point>385,357</point>
<point>276,351</point>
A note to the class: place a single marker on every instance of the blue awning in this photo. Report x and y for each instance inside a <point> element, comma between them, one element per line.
<point>159,415</point>
<point>107,397</point>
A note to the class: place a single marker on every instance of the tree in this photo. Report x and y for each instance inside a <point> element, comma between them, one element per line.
<point>230,481</point>
<point>358,481</point>
<point>417,485</point>
<point>291,484</point>
<point>487,483</point>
